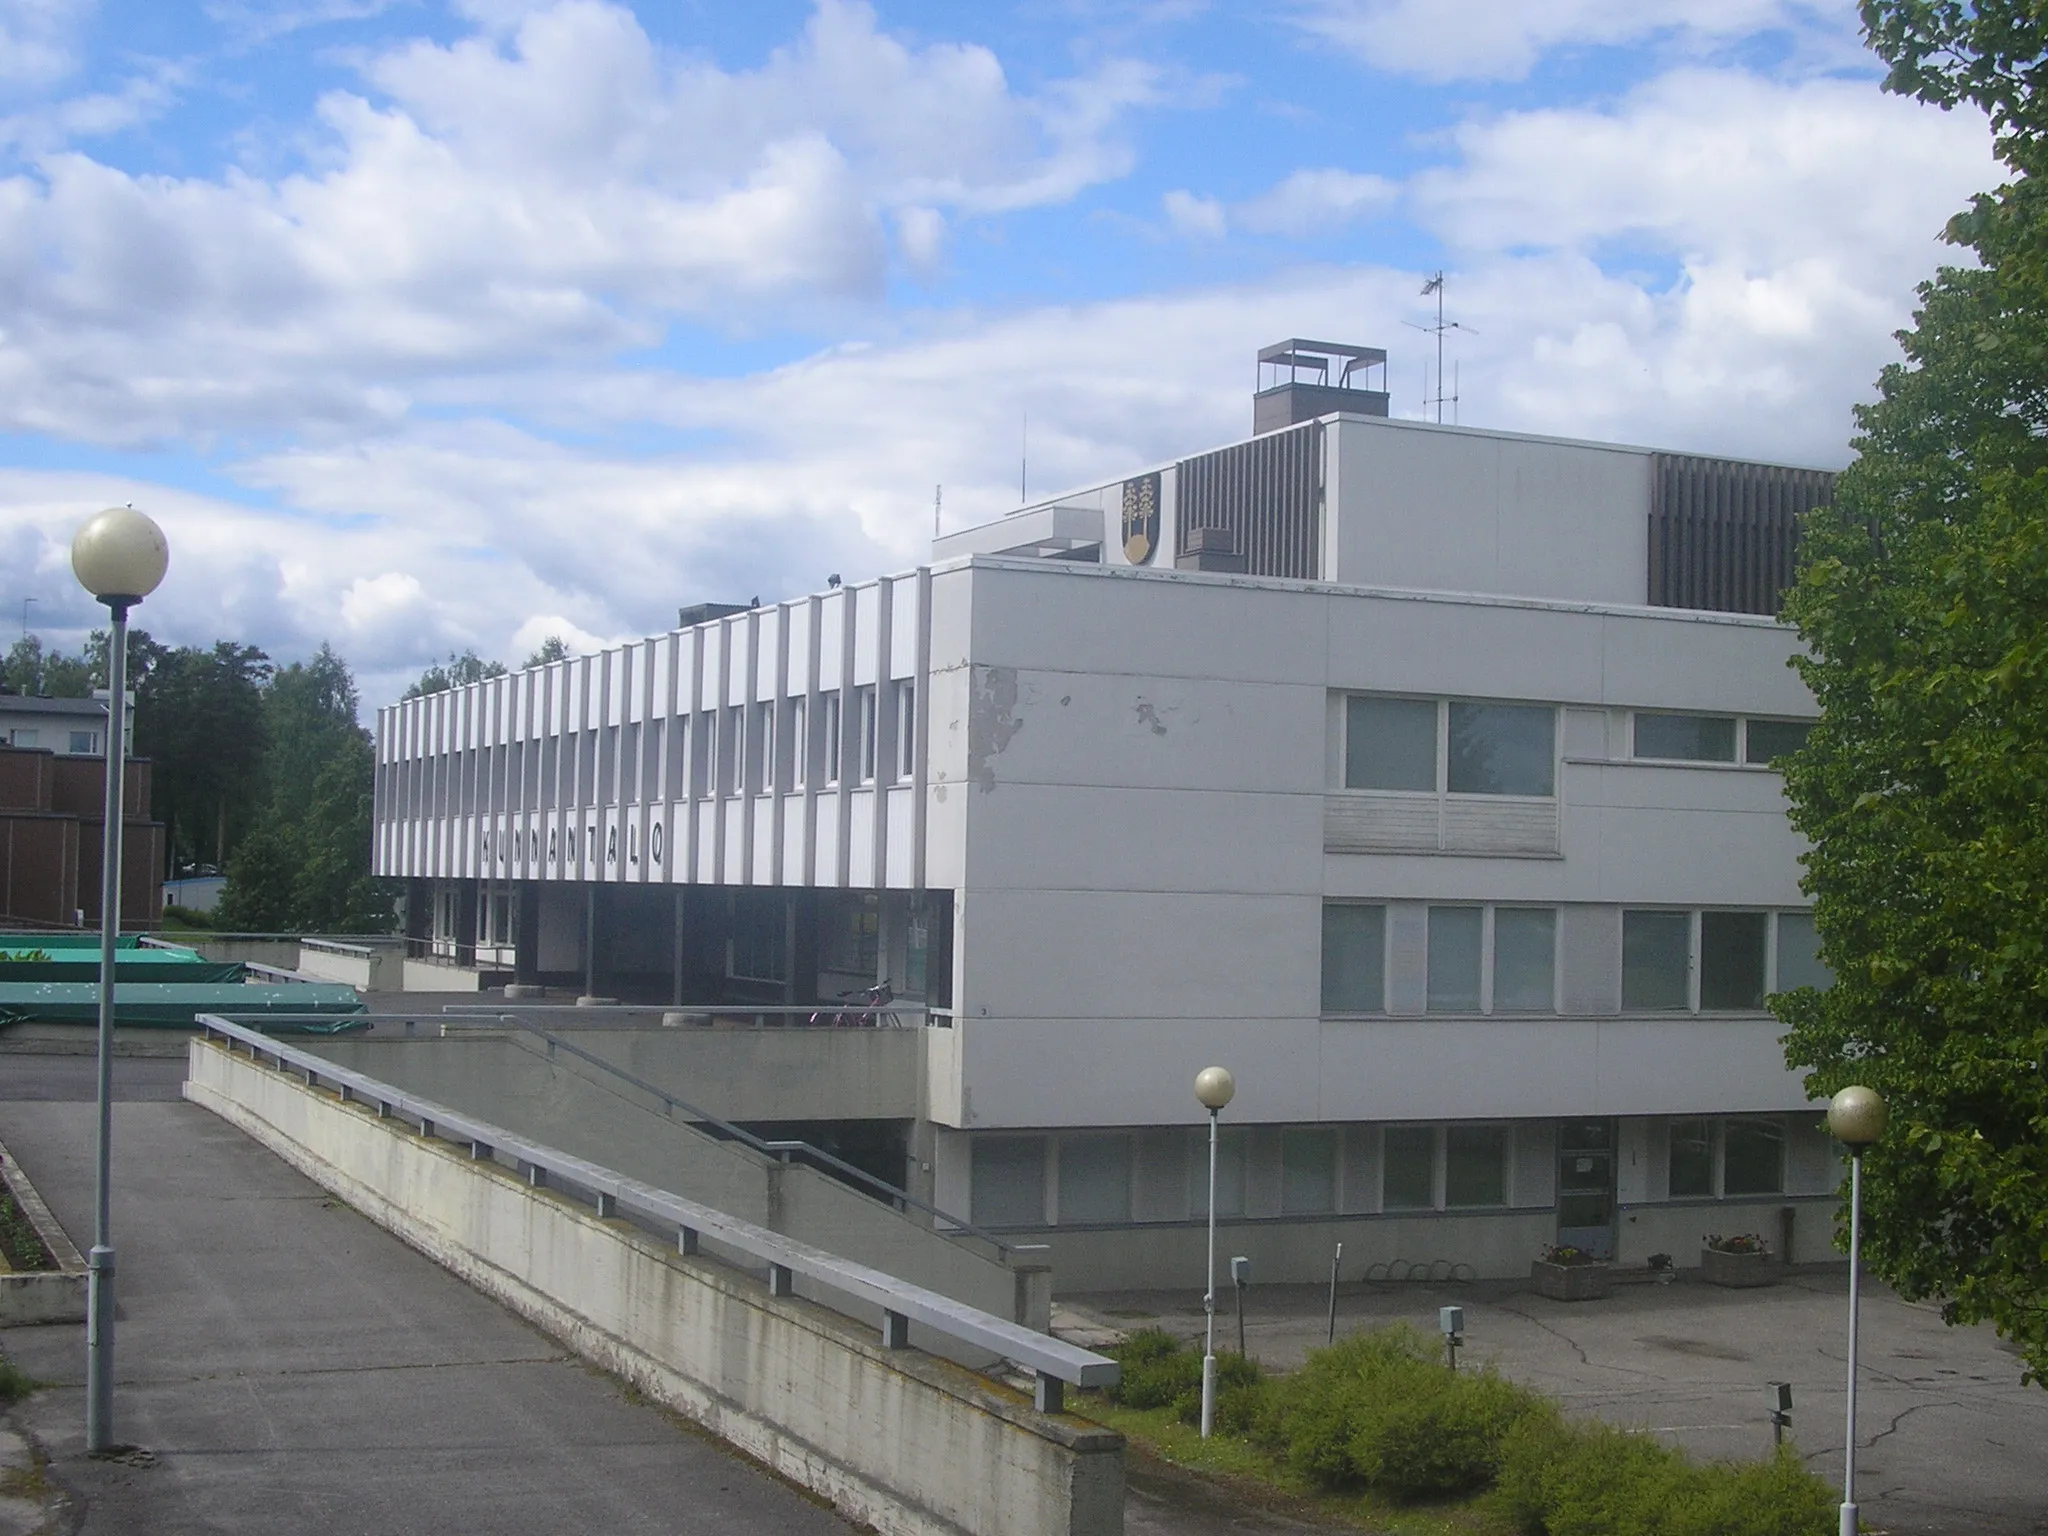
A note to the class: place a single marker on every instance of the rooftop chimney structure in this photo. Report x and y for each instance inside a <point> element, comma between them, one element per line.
<point>1300,380</point>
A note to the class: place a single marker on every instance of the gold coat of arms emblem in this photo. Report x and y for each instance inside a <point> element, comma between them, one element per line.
<point>1141,518</point>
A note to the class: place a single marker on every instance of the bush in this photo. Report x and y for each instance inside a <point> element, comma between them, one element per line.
<point>1161,1372</point>
<point>15,1383</point>
<point>1592,1479</point>
<point>1381,1411</point>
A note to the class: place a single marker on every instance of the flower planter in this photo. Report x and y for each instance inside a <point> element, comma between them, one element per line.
<point>1571,1282</point>
<point>1738,1269</point>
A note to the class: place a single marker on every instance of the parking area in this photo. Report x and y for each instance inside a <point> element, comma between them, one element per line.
<point>1950,1441</point>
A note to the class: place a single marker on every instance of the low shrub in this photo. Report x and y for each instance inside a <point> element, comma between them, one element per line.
<point>1380,1411</point>
<point>15,1383</point>
<point>1592,1479</point>
<point>1162,1372</point>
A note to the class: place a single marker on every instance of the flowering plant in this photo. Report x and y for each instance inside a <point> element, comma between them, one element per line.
<point>1740,1242</point>
<point>1569,1253</point>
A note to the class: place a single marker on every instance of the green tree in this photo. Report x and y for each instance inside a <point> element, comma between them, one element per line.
<point>1923,599</point>
<point>554,648</point>
<point>34,671</point>
<point>199,718</point>
<point>305,864</point>
<point>459,671</point>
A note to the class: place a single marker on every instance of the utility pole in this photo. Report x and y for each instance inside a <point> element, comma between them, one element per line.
<point>24,616</point>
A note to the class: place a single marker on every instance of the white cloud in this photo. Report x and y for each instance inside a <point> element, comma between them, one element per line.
<point>545,196</point>
<point>1306,203</point>
<point>1503,39</point>
<point>38,41</point>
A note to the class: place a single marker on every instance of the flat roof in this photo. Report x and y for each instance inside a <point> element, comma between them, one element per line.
<point>38,704</point>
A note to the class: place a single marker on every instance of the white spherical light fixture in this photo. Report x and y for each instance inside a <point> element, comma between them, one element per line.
<point>120,556</point>
<point>1215,1087</point>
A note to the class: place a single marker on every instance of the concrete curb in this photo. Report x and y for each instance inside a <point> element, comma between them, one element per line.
<point>46,1295</point>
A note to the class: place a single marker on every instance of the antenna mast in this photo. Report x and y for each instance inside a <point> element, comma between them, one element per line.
<point>1435,285</point>
<point>938,497</point>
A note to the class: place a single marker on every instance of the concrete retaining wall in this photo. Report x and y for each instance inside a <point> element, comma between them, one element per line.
<point>376,971</point>
<point>564,1104</point>
<point>894,1438</point>
<point>47,1295</point>
<point>428,976</point>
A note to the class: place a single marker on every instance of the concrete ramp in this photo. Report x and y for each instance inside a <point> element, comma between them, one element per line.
<point>893,1437</point>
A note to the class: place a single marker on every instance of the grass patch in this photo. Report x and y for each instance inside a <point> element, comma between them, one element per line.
<point>15,1383</point>
<point>1376,1432</point>
<point>18,1239</point>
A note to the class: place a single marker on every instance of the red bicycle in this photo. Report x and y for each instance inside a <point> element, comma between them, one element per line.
<point>862,1008</point>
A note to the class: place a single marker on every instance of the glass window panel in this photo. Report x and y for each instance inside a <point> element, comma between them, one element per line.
<point>1454,959</point>
<point>1308,1172</point>
<point>1768,740</point>
<point>1524,959</point>
<point>1408,1168</point>
<point>1475,1165</point>
<point>1655,950</point>
<point>1503,749</point>
<point>1230,1159</point>
<point>1686,738</point>
<point>1799,961</point>
<point>1009,1181</point>
<point>1354,958</point>
<point>1390,744</point>
<point>1692,1159</point>
<point>1095,1179</point>
<point>1732,959</point>
<point>1753,1157</point>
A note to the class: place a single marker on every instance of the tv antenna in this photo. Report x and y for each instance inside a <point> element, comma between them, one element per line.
<point>938,497</point>
<point>24,615</point>
<point>1435,285</point>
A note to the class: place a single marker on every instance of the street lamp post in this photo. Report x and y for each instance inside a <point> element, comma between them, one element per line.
<point>1856,1116</point>
<point>1214,1087</point>
<point>119,556</point>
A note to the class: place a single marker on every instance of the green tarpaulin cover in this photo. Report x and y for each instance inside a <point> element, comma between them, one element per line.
<point>167,1005</point>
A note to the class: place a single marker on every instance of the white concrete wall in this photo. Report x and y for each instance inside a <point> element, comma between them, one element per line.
<point>1452,509</point>
<point>894,1439</point>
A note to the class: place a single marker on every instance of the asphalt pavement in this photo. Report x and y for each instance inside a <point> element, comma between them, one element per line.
<point>284,1365</point>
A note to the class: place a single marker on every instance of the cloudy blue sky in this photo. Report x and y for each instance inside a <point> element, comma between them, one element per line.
<point>424,324</point>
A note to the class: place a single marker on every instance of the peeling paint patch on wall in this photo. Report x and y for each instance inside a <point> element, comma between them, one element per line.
<point>991,721</point>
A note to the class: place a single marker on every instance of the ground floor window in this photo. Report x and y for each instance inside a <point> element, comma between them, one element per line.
<point>1008,1181</point>
<point>1095,1179</point>
<point>1732,1155</point>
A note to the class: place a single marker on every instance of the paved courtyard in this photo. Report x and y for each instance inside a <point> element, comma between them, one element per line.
<point>1951,1442</point>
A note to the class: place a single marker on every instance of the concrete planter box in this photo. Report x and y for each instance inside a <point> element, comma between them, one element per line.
<point>1572,1282</point>
<point>1738,1269</point>
<point>41,1295</point>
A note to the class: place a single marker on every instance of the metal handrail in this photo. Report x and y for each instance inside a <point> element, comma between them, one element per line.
<point>780,1150</point>
<point>899,1006</point>
<point>336,946</point>
<point>1052,1360</point>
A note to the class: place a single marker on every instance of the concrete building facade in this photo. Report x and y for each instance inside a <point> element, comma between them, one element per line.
<point>1419,775</point>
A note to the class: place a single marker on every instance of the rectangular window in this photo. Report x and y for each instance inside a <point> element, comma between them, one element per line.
<point>1354,958</point>
<point>1799,961</point>
<point>868,727</point>
<point>761,750</point>
<point>828,725</point>
<point>1454,934</point>
<point>1686,738</point>
<point>1752,1157</point>
<point>84,741</point>
<point>731,749</point>
<point>1692,1159</point>
<point>906,729</point>
<point>1408,1168</point>
<point>1095,1179</point>
<point>1656,954</point>
<point>798,771</point>
<point>1765,741</point>
<point>1502,749</point>
<point>1524,959</point>
<point>1475,1165</point>
<point>1390,744</point>
<point>1230,1163</point>
<point>23,738</point>
<point>1008,1176</point>
<point>849,935</point>
<point>755,950</point>
<point>1308,1172</point>
<point>1732,960</point>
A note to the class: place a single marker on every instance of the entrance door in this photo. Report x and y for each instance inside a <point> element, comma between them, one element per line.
<point>1585,1185</point>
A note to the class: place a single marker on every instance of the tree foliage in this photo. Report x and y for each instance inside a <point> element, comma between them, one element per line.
<point>199,718</point>
<point>305,864</point>
<point>33,671</point>
<point>554,648</point>
<point>457,672</point>
<point>1923,599</point>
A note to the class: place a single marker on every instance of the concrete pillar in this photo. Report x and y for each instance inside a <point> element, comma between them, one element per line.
<point>526,935</point>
